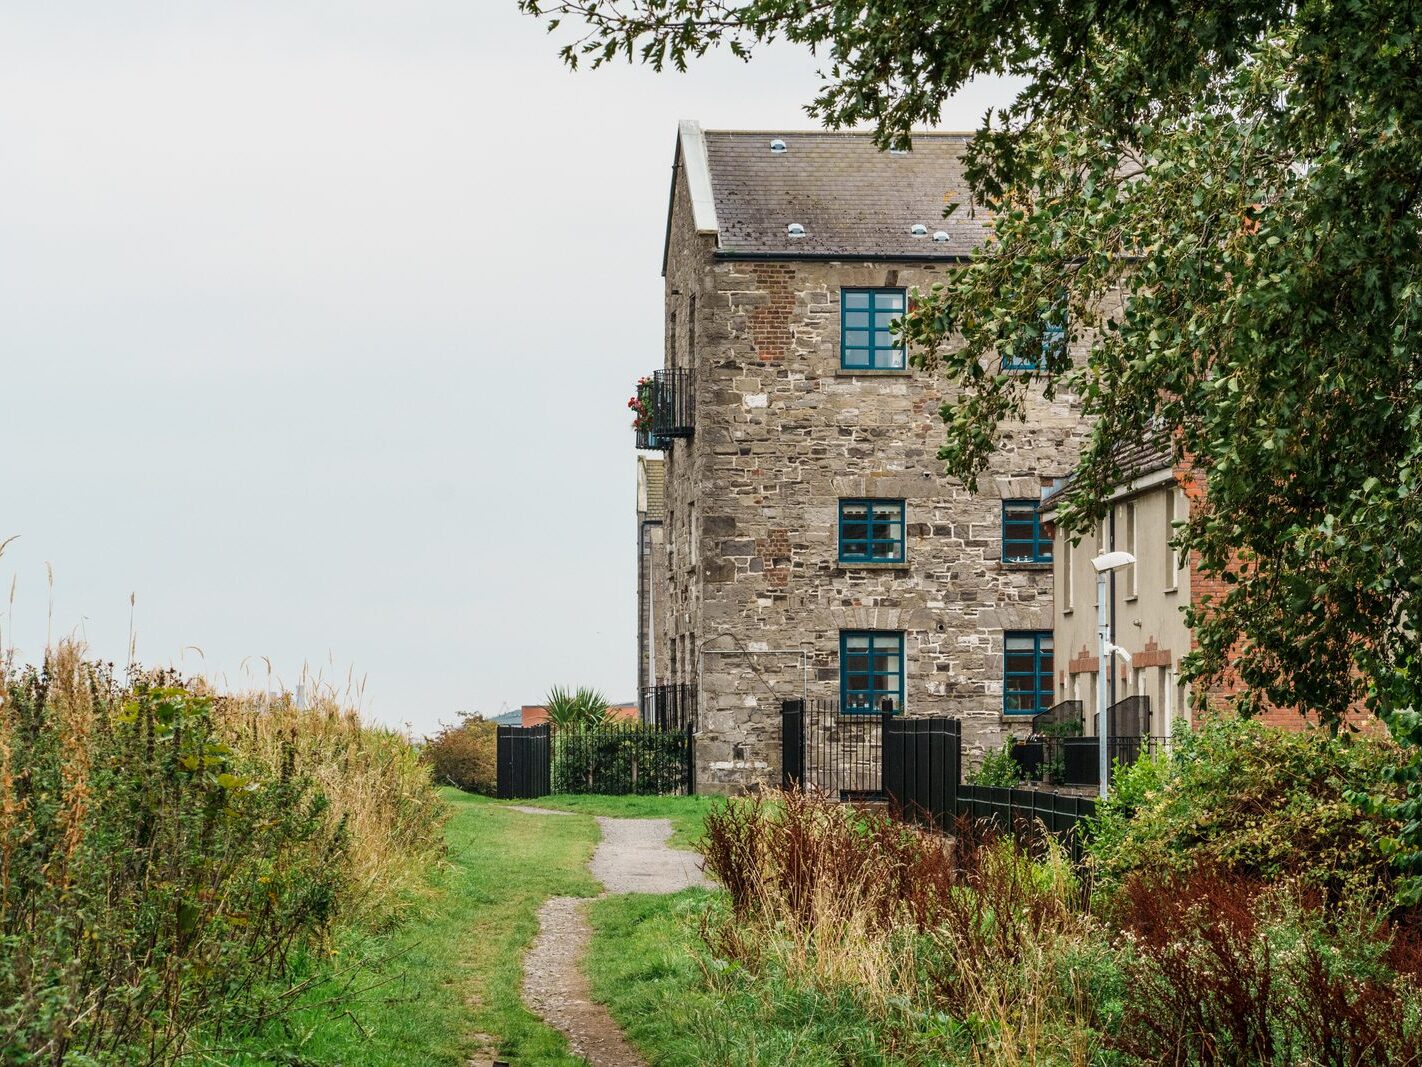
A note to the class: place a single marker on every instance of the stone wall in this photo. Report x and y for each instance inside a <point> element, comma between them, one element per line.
<point>758,597</point>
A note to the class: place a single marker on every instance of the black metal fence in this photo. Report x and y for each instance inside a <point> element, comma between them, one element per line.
<point>1021,811</point>
<point>624,758</point>
<point>671,707</point>
<point>915,764</point>
<point>1075,761</point>
<point>823,749</point>
<point>521,760</point>
<point>922,768</point>
<point>613,758</point>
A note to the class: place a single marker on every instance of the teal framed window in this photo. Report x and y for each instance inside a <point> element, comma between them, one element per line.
<point>871,672</point>
<point>865,340</point>
<point>1023,539</point>
<point>871,531</point>
<point>1033,354</point>
<point>1027,672</point>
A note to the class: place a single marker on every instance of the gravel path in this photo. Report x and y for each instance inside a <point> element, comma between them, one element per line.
<point>632,857</point>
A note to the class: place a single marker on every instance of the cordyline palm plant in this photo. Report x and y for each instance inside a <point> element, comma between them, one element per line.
<point>576,710</point>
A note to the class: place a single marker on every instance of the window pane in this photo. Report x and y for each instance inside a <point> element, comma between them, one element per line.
<point>884,339</point>
<point>1020,641</point>
<point>855,531</point>
<point>855,298</point>
<point>856,682</point>
<point>856,319</point>
<point>857,642</point>
<point>886,550</point>
<point>882,319</point>
<point>892,300</point>
<point>1045,642</point>
<point>855,509</point>
<point>1024,663</point>
<point>858,338</point>
<point>856,357</point>
<point>889,359</point>
<point>886,662</point>
<point>888,511</point>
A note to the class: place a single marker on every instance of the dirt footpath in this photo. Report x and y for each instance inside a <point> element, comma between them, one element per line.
<point>632,857</point>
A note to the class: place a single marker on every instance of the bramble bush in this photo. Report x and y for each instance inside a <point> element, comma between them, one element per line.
<point>164,858</point>
<point>1243,798</point>
<point>465,755</point>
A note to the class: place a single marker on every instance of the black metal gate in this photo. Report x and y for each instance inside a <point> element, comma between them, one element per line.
<point>913,762</point>
<point>612,759</point>
<point>922,768</point>
<point>522,756</point>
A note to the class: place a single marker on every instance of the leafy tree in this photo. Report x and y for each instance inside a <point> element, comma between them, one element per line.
<point>1218,203</point>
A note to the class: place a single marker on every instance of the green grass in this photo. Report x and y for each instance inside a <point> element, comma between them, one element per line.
<point>687,814</point>
<point>452,971</point>
<point>682,1009</point>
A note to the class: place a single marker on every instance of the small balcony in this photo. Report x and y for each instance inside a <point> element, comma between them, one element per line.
<point>663,409</point>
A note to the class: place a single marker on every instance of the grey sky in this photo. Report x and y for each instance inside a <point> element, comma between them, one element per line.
<point>318,323</point>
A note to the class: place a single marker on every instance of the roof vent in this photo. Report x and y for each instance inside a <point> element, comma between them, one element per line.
<point>940,236</point>
<point>795,230</point>
<point>777,146</point>
<point>919,230</point>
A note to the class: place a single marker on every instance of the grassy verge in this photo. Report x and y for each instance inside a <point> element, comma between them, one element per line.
<point>449,986</point>
<point>687,814</point>
<point>647,964</point>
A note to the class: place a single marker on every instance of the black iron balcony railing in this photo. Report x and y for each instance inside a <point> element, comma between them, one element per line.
<point>671,707</point>
<point>1059,718</point>
<point>669,402</point>
<point>1126,718</point>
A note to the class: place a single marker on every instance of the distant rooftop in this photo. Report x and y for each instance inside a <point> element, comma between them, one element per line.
<point>651,488</point>
<point>852,200</point>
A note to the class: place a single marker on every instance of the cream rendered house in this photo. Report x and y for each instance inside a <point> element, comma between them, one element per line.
<point>1145,601</point>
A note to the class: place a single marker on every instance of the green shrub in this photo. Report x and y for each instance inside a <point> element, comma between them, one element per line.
<point>618,758</point>
<point>166,860</point>
<point>1242,797</point>
<point>998,768</point>
<point>465,755</point>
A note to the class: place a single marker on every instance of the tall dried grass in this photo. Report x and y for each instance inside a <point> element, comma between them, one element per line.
<point>164,856</point>
<point>836,898</point>
<point>371,776</point>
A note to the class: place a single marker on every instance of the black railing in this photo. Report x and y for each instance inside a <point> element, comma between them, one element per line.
<point>842,755</point>
<point>670,402</point>
<point>1058,717</point>
<point>1129,717</point>
<point>1076,760</point>
<point>623,758</point>
<point>671,707</point>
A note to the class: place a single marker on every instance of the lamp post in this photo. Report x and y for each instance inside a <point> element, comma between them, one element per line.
<point>1104,564</point>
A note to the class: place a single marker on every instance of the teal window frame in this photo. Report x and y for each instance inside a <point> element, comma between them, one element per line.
<point>1054,339</point>
<point>860,541</point>
<point>866,341</point>
<point>1022,543</point>
<point>871,669</point>
<point>1028,672</point>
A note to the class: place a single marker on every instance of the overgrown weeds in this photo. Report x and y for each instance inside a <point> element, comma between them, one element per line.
<point>164,856</point>
<point>973,947</point>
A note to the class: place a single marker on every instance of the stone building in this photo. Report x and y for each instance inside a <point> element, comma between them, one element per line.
<point>814,548</point>
<point>652,581</point>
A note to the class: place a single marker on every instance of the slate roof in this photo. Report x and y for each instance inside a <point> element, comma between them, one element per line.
<point>852,199</point>
<point>1150,453</point>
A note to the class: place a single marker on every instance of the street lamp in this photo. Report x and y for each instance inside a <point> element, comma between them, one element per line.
<point>1104,564</point>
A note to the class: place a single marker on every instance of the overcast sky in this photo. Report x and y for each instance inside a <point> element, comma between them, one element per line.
<point>318,323</point>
